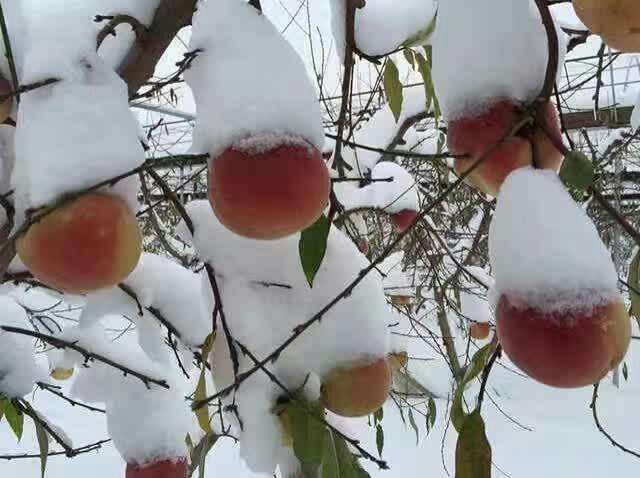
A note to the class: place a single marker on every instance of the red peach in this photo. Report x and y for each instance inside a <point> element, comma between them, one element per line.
<point>402,220</point>
<point>479,331</point>
<point>401,300</point>
<point>269,194</point>
<point>87,244</point>
<point>617,22</point>
<point>474,136</point>
<point>159,469</point>
<point>358,390</point>
<point>568,349</point>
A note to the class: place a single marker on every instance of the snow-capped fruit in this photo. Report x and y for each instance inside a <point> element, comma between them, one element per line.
<point>5,105</point>
<point>398,361</point>
<point>269,194</point>
<point>89,243</point>
<point>479,331</point>
<point>61,374</point>
<point>616,21</point>
<point>159,469</point>
<point>565,349</point>
<point>402,220</point>
<point>358,390</point>
<point>474,136</point>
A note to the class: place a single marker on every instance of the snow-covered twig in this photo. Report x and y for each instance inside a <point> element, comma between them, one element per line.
<point>55,390</point>
<point>87,354</point>
<point>75,452</point>
<point>114,21</point>
<point>26,408</point>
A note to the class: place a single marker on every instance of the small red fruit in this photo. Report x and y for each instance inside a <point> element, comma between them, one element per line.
<point>566,349</point>
<point>479,331</point>
<point>159,469</point>
<point>269,194</point>
<point>403,220</point>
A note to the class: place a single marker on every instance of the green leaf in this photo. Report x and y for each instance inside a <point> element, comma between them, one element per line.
<point>380,439</point>
<point>432,413</point>
<point>3,404</point>
<point>202,414</point>
<point>339,462</point>
<point>379,415</point>
<point>423,35</point>
<point>15,419</point>
<point>625,371</point>
<point>473,451</point>
<point>313,247</point>
<point>577,171</point>
<point>479,360</point>
<point>43,444</point>
<point>412,422</point>
<point>408,55</point>
<point>393,88</point>
<point>634,285</point>
<point>308,431</point>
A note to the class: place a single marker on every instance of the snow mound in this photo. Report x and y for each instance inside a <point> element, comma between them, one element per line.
<point>265,296</point>
<point>545,251</point>
<point>18,368</point>
<point>382,26</point>
<point>466,77</point>
<point>242,50</point>
<point>83,119</point>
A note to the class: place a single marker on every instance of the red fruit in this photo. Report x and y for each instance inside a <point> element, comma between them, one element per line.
<point>474,136</point>
<point>269,194</point>
<point>363,246</point>
<point>568,349</point>
<point>359,390</point>
<point>159,469</point>
<point>479,331</point>
<point>402,220</point>
<point>90,243</point>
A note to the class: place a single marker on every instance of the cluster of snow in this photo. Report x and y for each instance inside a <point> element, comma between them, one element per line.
<point>265,295</point>
<point>18,368</point>
<point>163,285</point>
<point>397,281</point>
<point>242,50</point>
<point>398,194</point>
<point>471,67</point>
<point>82,119</point>
<point>545,251</point>
<point>381,26</point>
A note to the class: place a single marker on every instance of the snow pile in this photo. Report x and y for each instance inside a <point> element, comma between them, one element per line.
<point>18,368</point>
<point>241,51</point>
<point>466,77</point>
<point>399,194</point>
<point>474,308</point>
<point>83,119</point>
<point>265,295</point>
<point>382,26</point>
<point>545,251</point>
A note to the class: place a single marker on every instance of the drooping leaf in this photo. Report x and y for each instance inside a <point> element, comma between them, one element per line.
<point>577,171</point>
<point>423,35</point>
<point>412,422</point>
<point>308,431</point>
<point>313,247</point>
<point>634,285</point>
<point>479,360</point>
<point>339,462</point>
<point>408,55</point>
<point>393,88</point>
<point>379,415</point>
<point>424,66</point>
<point>3,404</point>
<point>202,414</point>
<point>379,439</point>
<point>473,451</point>
<point>15,419</point>
<point>43,444</point>
<point>432,413</point>
<point>625,371</point>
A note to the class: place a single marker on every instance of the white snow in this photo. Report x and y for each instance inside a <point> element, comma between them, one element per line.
<point>466,76</point>
<point>18,368</point>
<point>635,116</point>
<point>397,280</point>
<point>382,26</point>
<point>265,296</point>
<point>83,119</point>
<point>247,84</point>
<point>392,197</point>
<point>545,251</point>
